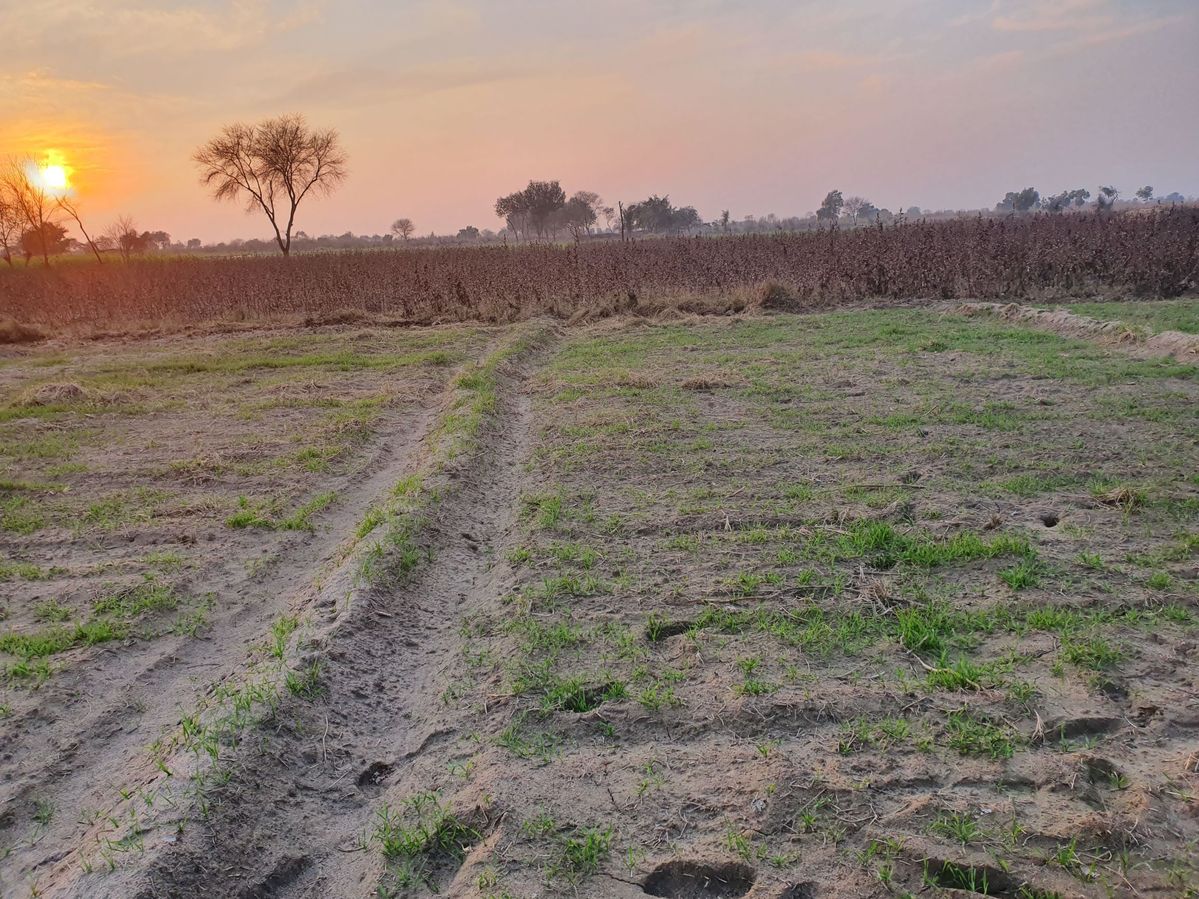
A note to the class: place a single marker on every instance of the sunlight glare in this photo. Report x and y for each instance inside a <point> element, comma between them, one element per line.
<point>51,173</point>
<point>54,177</point>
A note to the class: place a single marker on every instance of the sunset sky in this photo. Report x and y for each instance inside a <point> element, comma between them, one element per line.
<point>756,106</point>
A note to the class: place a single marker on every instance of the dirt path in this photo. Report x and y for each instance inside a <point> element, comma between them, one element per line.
<point>291,820</point>
<point>80,747</point>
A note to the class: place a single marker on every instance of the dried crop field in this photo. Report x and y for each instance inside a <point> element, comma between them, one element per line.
<point>1151,253</point>
<point>844,604</point>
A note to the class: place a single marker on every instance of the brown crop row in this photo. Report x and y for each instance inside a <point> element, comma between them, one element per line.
<point>1149,253</point>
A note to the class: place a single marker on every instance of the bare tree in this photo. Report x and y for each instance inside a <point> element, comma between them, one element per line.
<point>69,207</point>
<point>34,205</point>
<point>10,227</point>
<point>854,206</point>
<point>403,228</point>
<point>274,165</point>
<point>123,235</point>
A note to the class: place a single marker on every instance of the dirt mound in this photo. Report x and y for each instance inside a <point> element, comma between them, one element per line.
<point>54,394</point>
<point>1068,324</point>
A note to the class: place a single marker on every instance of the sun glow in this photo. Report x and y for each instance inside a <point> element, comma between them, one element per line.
<point>54,177</point>
<point>51,174</point>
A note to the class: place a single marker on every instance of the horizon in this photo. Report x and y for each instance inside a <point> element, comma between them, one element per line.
<point>756,108</point>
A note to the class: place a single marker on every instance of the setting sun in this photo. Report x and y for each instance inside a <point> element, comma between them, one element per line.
<point>50,172</point>
<point>54,177</point>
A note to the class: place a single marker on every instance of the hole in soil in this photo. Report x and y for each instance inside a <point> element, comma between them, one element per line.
<point>374,775</point>
<point>1112,689</point>
<point>1101,771</point>
<point>1077,728</point>
<point>1049,519</point>
<point>696,880</point>
<point>286,871</point>
<point>656,631</point>
<point>579,698</point>
<point>981,879</point>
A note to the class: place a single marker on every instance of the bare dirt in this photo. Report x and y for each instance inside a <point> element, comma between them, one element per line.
<point>853,604</point>
<point>116,521</point>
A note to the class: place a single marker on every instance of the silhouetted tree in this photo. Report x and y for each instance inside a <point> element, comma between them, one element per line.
<point>579,213</point>
<point>830,209</point>
<point>10,228</point>
<point>124,236</point>
<point>34,205</point>
<point>854,207</point>
<point>1019,201</point>
<point>1057,202</point>
<point>274,165</point>
<point>684,218</point>
<point>533,208</point>
<point>403,228</point>
<point>68,206</point>
<point>156,240</point>
<point>544,199</point>
<point>514,209</point>
<point>656,214</point>
<point>48,240</point>
<point>652,214</point>
<point>1145,194</point>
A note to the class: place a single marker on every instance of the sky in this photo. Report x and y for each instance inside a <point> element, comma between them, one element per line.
<point>755,106</point>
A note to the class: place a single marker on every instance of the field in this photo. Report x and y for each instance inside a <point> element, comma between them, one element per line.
<point>1145,253</point>
<point>870,602</point>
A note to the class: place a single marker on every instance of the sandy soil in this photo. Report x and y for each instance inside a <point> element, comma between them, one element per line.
<point>853,604</point>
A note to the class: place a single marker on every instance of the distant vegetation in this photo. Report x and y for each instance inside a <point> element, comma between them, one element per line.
<point>275,165</point>
<point>1150,253</point>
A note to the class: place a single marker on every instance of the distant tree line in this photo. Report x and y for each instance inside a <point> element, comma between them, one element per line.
<point>272,166</point>
<point>542,210</point>
<point>1030,199</point>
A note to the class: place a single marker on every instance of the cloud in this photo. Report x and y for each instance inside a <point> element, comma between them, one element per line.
<point>360,85</point>
<point>40,83</point>
<point>1119,33</point>
<point>121,29</point>
<point>1054,15</point>
<point>1071,25</point>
